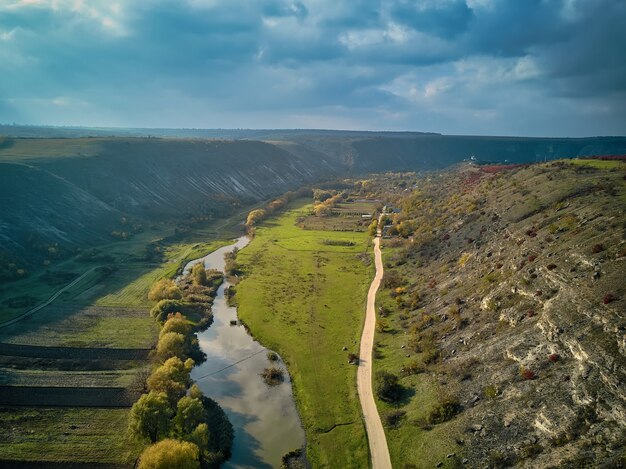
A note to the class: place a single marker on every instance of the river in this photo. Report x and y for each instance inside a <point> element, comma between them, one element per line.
<point>265,419</point>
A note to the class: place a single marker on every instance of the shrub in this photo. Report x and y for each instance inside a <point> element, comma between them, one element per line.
<point>392,279</point>
<point>413,367</point>
<point>443,411</point>
<point>596,248</point>
<point>272,356</point>
<point>176,323</point>
<point>554,357</point>
<point>164,308</point>
<point>171,344</point>
<point>392,419</point>
<point>491,391</point>
<point>608,298</point>
<point>164,289</point>
<point>273,376</point>
<point>388,386</point>
<point>353,359</point>
<point>198,274</point>
<point>168,453</point>
<point>527,373</point>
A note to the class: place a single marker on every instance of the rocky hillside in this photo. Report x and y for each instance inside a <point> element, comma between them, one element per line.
<point>504,316</point>
<point>60,193</point>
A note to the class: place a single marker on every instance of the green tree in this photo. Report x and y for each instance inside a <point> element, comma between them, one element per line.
<point>388,386</point>
<point>172,344</point>
<point>198,274</point>
<point>189,414</point>
<point>150,416</point>
<point>171,378</point>
<point>169,454</point>
<point>373,227</point>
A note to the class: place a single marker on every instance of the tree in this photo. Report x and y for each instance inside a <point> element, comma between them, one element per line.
<point>189,414</point>
<point>164,308</point>
<point>373,227</point>
<point>164,289</point>
<point>172,344</point>
<point>177,323</point>
<point>198,274</point>
<point>255,216</point>
<point>171,378</point>
<point>150,416</point>
<point>168,454</point>
<point>322,210</point>
<point>388,386</point>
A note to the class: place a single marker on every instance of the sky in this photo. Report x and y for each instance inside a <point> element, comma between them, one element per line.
<point>483,67</point>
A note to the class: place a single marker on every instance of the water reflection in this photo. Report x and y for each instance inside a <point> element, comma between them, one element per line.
<point>264,418</point>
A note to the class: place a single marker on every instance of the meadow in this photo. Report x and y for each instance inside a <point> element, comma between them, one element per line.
<point>303,295</point>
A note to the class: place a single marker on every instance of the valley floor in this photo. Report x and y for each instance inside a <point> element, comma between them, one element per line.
<point>303,294</point>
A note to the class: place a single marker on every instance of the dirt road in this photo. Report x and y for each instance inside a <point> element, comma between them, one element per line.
<point>375,432</point>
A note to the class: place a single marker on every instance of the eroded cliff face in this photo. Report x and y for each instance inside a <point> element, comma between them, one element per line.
<point>75,192</point>
<point>519,279</point>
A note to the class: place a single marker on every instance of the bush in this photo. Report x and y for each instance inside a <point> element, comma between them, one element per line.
<point>393,419</point>
<point>172,344</point>
<point>491,391</point>
<point>273,376</point>
<point>272,356</point>
<point>198,274</point>
<point>596,248</point>
<point>444,411</point>
<point>412,368</point>
<point>164,308</point>
<point>168,454</point>
<point>608,298</point>
<point>388,386</point>
<point>177,323</point>
<point>527,373</point>
<point>164,289</point>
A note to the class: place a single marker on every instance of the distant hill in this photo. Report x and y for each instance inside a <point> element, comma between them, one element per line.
<point>77,191</point>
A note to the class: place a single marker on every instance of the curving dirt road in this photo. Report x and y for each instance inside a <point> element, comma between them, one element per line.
<point>375,432</point>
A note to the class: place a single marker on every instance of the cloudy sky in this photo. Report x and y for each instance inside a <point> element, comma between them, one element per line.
<point>492,67</point>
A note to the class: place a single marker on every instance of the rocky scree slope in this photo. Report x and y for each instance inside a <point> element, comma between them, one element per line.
<point>511,290</point>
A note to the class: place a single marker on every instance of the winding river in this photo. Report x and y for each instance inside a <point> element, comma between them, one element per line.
<point>264,418</point>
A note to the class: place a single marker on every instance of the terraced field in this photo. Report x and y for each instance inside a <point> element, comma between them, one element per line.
<point>70,370</point>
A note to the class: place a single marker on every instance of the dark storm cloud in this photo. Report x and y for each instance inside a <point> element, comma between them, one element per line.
<point>470,66</point>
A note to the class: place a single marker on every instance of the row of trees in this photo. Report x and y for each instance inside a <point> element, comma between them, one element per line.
<point>326,201</point>
<point>276,205</point>
<point>185,428</point>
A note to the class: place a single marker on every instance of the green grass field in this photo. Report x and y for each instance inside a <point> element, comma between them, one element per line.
<point>599,164</point>
<point>306,299</point>
<point>66,434</point>
<point>409,443</point>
